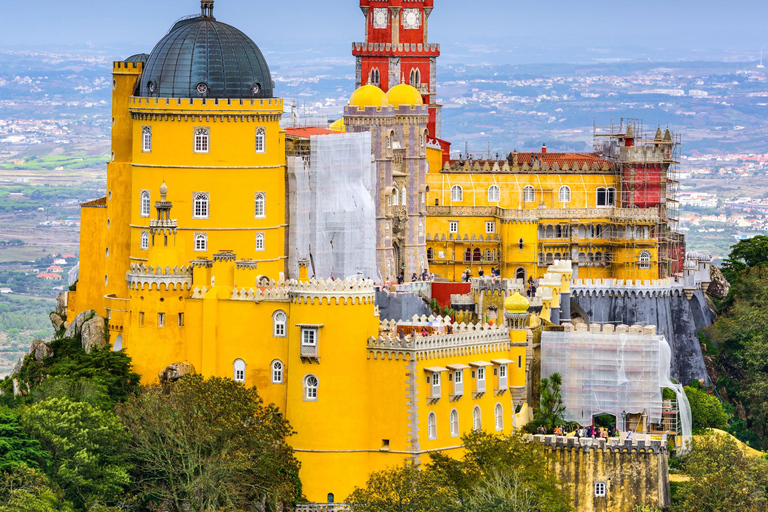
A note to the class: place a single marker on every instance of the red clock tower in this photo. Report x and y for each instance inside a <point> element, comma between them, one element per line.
<point>396,50</point>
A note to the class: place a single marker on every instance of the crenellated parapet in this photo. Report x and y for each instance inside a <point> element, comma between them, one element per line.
<point>609,445</point>
<point>142,276</point>
<point>501,286</point>
<point>464,339</point>
<point>668,287</point>
<point>313,291</point>
<point>648,330</point>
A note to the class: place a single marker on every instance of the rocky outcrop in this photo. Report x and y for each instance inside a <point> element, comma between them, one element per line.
<point>61,303</point>
<point>175,371</point>
<point>718,285</point>
<point>93,334</point>
<point>57,322</point>
<point>75,327</point>
<point>40,349</point>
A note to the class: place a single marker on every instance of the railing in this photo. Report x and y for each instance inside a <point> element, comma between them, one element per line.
<point>502,382</point>
<point>458,388</point>
<point>435,390</point>
<point>481,386</point>
<point>309,351</point>
<point>637,214</point>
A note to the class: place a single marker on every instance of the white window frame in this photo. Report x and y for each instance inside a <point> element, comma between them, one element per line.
<point>494,194</point>
<point>453,226</point>
<point>454,419</point>
<point>477,418</point>
<point>238,370</point>
<point>261,140</point>
<point>404,195</point>
<point>202,140</point>
<point>260,241</point>
<point>458,382</point>
<point>432,426</point>
<point>396,196</point>
<point>145,203</point>
<point>160,320</point>
<point>498,416</point>
<point>490,226</point>
<point>481,382</point>
<point>201,237</point>
<point>435,387</point>
<point>279,324</point>
<point>644,259</point>
<point>201,205</point>
<point>457,194</point>
<point>146,139</point>
<point>503,376</point>
<point>277,370</point>
<point>601,489</point>
<point>260,205</point>
<point>310,389</point>
<point>529,194</point>
<point>144,241</point>
<point>564,194</point>
<point>310,341</point>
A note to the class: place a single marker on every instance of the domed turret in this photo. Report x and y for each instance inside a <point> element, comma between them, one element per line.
<point>404,94</point>
<point>203,58</point>
<point>516,304</point>
<point>368,96</point>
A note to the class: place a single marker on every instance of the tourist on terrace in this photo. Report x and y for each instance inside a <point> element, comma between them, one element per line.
<point>414,278</point>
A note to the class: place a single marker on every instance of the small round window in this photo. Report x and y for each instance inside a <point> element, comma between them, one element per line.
<point>255,89</point>
<point>152,86</point>
<point>202,88</point>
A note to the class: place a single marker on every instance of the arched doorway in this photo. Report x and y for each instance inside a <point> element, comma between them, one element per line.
<point>118,346</point>
<point>520,274</point>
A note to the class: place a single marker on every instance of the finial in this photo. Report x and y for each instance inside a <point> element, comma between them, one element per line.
<point>206,7</point>
<point>163,191</point>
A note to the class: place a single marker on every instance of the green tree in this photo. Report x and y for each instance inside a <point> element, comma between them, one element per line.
<point>721,477</point>
<point>745,254</point>
<point>16,447</point>
<point>551,409</point>
<point>403,489</point>
<point>87,447</point>
<point>209,444</point>
<point>26,490</point>
<point>706,410</point>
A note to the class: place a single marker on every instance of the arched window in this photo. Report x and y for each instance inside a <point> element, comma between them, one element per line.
<point>549,258</point>
<point>494,194</point>
<point>646,232</point>
<point>498,415</point>
<point>590,257</point>
<point>310,388</point>
<point>582,258</point>
<point>405,196</point>
<point>277,372</point>
<point>144,240</point>
<point>259,241</point>
<point>565,194</point>
<point>146,139</point>
<point>145,203</point>
<point>457,194</point>
<point>202,140</point>
<point>602,197</point>
<point>430,255</point>
<point>541,258</point>
<point>260,205</point>
<point>261,140</point>
<point>645,259</point>
<point>558,256</point>
<point>415,77</point>
<point>550,231</point>
<point>375,77</point>
<point>520,273</point>
<point>529,194</point>
<point>520,244</point>
<point>239,367</point>
<point>558,231</point>
<point>118,346</point>
<point>201,206</point>
<point>477,255</point>
<point>201,242</point>
<point>477,420</point>
<point>395,197</point>
<point>279,320</point>
<point>421,228</point>
<point>598,256</point>
<point>598,231</point>
<point>432,426</point>
<point>454,423</point>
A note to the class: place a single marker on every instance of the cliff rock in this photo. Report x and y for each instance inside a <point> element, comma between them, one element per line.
<point>175,371</point>
<point>718,286</point>
<point>75,327</point>
<point>61,303</point>
<point>57,322</point>
<point>93,334</point>
<point>40,349</point>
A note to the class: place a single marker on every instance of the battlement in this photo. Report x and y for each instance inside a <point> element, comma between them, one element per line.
<point>503,166</point>
<point>347,291</point>
<point>648,330</point>
<point>389,49</point>
<point>386,111</point>
<point>143,276</point>
<point>668,287</point>
<point>133,68</point>
<point>178,106</point>
<point>490,285</point>
<point>611,444</point>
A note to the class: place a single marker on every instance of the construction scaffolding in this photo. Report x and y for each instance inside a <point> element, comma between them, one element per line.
<point>647,177</point>
<point>620,373</point>
<point>332,211</point>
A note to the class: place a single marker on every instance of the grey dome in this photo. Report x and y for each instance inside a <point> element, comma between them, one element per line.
<point>203,58</point>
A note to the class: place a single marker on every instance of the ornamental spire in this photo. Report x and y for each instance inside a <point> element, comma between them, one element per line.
<point>206,6</point>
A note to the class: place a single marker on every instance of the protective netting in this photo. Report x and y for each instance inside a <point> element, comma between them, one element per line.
<point>332,211</point>
<point>613,373</point>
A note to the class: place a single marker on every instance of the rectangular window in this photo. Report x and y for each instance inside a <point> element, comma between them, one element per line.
<point>481,380</point>
<point>181,319</point>
<point>308,342</point>
<point>600,489</point>
<point>490,227</point>
<point>435,385</point>
<point>146,139</point>
<point>161,319</point>
<point>202,140</point>
<point>453,226</point>
<point>141,319</point>
<point>458,382</point>
<point>502,376</point>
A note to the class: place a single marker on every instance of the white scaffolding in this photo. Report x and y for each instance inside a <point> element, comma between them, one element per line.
<point>615,373</point>
<point>332,211</point>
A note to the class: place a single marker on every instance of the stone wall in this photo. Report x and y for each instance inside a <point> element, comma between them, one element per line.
<point>634,472</point>
<point>400,306</point>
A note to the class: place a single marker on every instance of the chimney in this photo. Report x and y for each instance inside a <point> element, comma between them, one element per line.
<point>544,148</point>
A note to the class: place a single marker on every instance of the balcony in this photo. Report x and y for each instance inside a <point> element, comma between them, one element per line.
<point>310,353</point>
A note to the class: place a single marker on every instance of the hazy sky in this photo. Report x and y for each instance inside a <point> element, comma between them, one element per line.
<point>503,30</point>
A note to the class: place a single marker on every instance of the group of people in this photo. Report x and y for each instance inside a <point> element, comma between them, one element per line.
<point>426,275</point>
<point>592,431</point>
<point>467,275</point>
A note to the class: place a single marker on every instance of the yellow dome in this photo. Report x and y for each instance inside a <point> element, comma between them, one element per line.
<point>516,303</point>
<point>368,96</point>
<point>404,94</point>
<point>338,126</point>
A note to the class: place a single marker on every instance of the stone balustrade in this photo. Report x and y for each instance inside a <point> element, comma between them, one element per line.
<point>141,275</point>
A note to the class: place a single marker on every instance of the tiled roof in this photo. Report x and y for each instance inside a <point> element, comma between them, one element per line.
<point>96,203</point>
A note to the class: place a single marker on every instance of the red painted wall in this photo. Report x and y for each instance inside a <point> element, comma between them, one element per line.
<point>443,291</point>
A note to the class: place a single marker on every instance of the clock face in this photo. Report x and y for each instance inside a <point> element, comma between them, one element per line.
<point>411,18</point>
<point>380,17</point>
